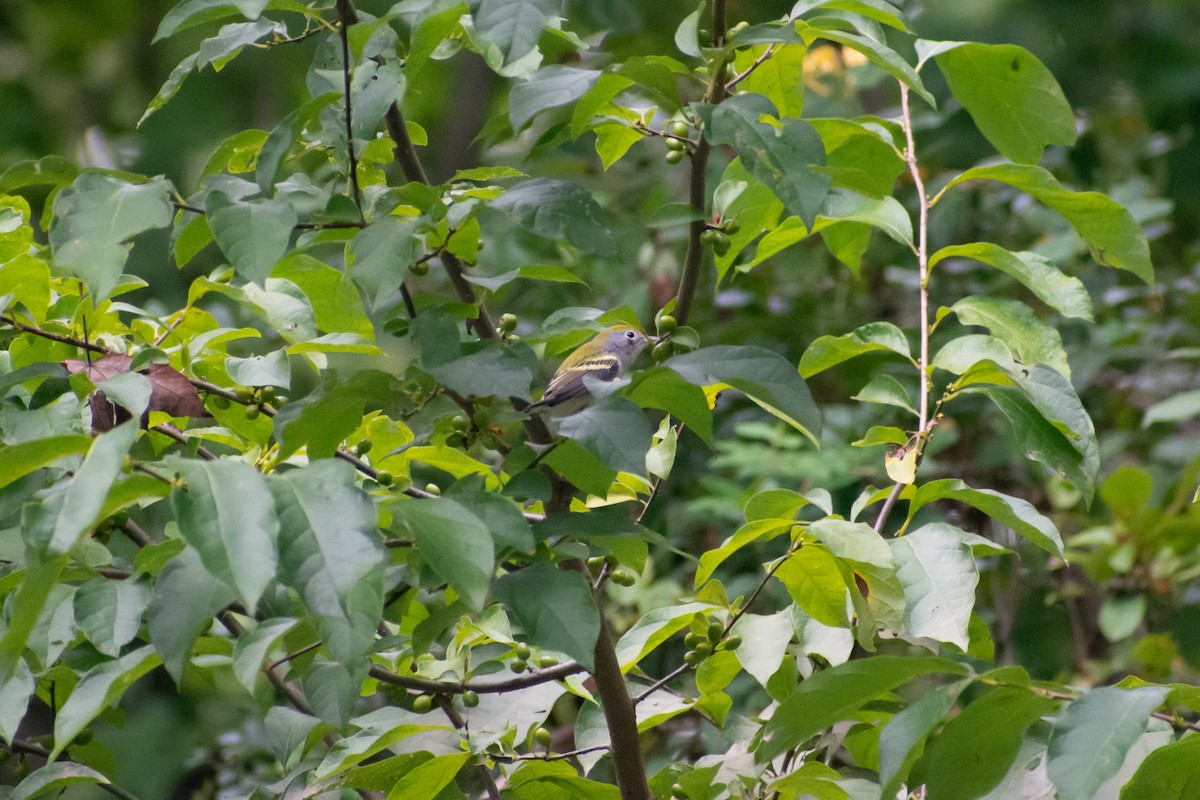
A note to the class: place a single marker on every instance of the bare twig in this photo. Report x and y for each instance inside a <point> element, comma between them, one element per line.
<point>523,681</point>
<point>347,16</point>
<point>758,62</point>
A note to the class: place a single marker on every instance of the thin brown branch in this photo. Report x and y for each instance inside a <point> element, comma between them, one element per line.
<point>485,774</point>
<point>52,336</point>
<point>170,431</point>
<point>600,748</point>
<point>347,16</point>
<point>523,681</point>
<point>758,62</point>
<point>292,694</point>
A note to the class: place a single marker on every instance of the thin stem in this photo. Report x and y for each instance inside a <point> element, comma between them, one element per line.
<point>489,780</point>
<point>347,16</point>
<point>31,749</point>
<point>52,336</point>
<point>758,62</point>
<point>170,431</point>
<point>923,421</point>
<point>600,748</point>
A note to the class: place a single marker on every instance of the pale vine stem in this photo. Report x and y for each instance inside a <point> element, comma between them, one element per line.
<point>923,421</point>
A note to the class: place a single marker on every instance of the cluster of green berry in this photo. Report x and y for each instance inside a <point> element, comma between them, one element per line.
<point>705,638</point>
<point>252,397</point>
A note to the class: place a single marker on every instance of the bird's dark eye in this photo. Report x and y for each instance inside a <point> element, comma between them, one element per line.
<point>630,335</point>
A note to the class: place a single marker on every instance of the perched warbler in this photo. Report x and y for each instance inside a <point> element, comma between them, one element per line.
<point>605,357</point>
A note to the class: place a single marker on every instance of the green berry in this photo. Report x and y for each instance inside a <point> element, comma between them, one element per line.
<point>676,144</point>
<point>666,324</point>
<point>673,156</point>
<point>731,226</point>
<point>220,402</point>
<point>244,393</point>
<point>419,268</point>
<point>662,351</point>
<point>542,736</point>
<point>267,394</point>
<point>623,577</point>
<point>692,658</point>
<point>691,640</point>
<point>680,129</point>
<point>708,237</point>
<point>720,243</point>
<point>703,649</point>
<point>519,666</point>
<point>546,661</point>
<point>460,423</point>
<point>596,563</point>
<point>252,411</point>
<point>422,703</point>
<point>508,323</point>
<point>433,489</point>
<point>732,642</point>
<point>364,447</point>
<point>715,631</point>
<point>384,478</point>
<point>470,699</point>
<point>522,651</point>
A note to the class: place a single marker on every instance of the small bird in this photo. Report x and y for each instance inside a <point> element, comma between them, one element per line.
<point>605,357</point>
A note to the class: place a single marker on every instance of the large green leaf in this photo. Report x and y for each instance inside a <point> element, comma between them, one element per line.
<point>1015,324</point>
<point>182,604</point>
<point>878,53</point>
<point>959,763</point>
<point>556,609</point>
<point>225,511</point>
<point>832,695</point>
<point>379,254</point>
<point>828,351</point>
<point>109,613</point>
<point>781,157</point>
<point>550,87</point>
<point>56,523</point>
<point>329,415</point>
<point>560,211</point>
<point>51,779</point>
<point>615,430</point>
<point>426,781</point>
<point>665,390</point>
<point>765,639</point>
<point>252,647</point>
<point>1013,98</point>
<point>253,234</point>
<point>482,369</point>
<point>1115,239</point>
<point>330,554</point>
<point>95,219</point>
<point>510,28</point>
<point>281,138</point>
<point>453,542</point>
<point>1064,293</point>
<point>752,531</point>
<point>1168,773</point>
<point>97,689</point>
<point>938,573</point>
<point>1093,735</point>
<point>902,740</point>
<point>654,628</point>
<point>765,377</point>
<point>15,693</point>
<point>815,582</point>
<point>1014,512</point>
<point>336,304</point>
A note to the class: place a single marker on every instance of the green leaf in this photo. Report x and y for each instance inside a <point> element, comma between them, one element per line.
<point>1184,405</point>
<point>597,100</point>
<point>182,604</point>
<point>960,763</point>
<point>109,613</point>
<point>1115,239</point>
<point>939,576</point>
<point>1093,735</point>
<point>453,542</point>
<point>780,78</point>
<point>654,628</point>
<point>1168,773</point>
<point>225,511</point>
<point>333,689</point>
<point>878,10</point>
<point>765,639</point>
<point>833,694</point>
<point>512,27</point>
<point>687,37</point>
<point>330,415</point>
<point>886,390</point>
<point>377,730</point>
<point>426,781</point>
<point>97,689</point>
<point>94,220</point>
<point>1014,512</point>
<point>379,254</point>
<point>253,234</point>
<point>560,211</point>
<point>282,137</point>
<point>828,351</point>
<point>613,142</point>
<point>56,524</point>
<point>781,157</point>
<point>53,778</point>
<point>750,532</point>
<point>15,693</point>
<point>614,430</point>
<point>1064,293</point>
<point>1015,324</point>
<point>19,460</point>
<point>336,304</point>
<point>1015,101</point>
<point>550,87</point>
<point>550,273</point>
<point>430,29</point>
<point>504,519</point>
<point>555,608</point>
<point>273,369</point>
<point>330,554</point>
<point>815,582</point>
<point>853,541</point>
<point>666,390</point>
<point>902,740</point>
<point>252,647</point>
<point>765,377</point>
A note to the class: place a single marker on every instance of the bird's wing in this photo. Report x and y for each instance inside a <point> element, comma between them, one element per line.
<point>568,383</point>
